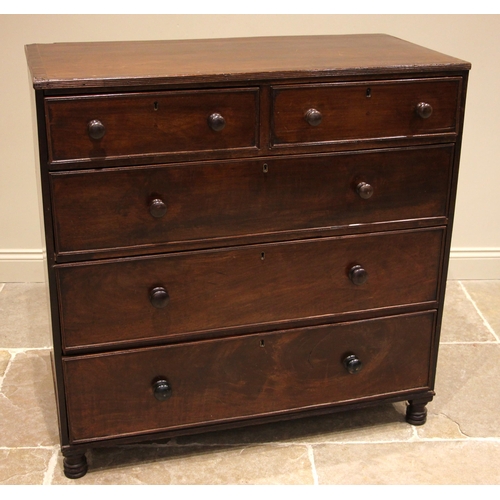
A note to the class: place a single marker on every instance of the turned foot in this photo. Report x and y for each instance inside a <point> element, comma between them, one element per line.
<point>416,412</point>
<point>75,464</point>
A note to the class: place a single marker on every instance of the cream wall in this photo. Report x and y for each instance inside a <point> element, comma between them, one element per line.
<point>476,241</point>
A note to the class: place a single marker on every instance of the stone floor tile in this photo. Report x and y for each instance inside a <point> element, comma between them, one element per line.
<point>195,465</point>
<point>377,423</point>
<point>467,387</point>
<point>486,295</point>
<point>4,362</point>
<point>366,446</point>
<point>27,402</point>
<point>23,466</point>
<point>439,426</point>
<point>461,321</point>
<point>415,463</point>
<point>24,316</point>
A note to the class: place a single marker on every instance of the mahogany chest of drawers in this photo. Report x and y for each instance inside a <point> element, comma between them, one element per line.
<point>243,230</point>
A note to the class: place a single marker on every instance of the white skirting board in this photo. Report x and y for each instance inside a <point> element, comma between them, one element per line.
<point>23,266</point>
<point>474,264</point>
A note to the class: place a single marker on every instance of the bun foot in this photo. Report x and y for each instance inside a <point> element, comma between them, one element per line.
<point>75,465</point>
<point>416,412</point>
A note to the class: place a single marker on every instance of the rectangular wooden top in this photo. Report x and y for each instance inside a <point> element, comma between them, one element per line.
<point>116,64</point>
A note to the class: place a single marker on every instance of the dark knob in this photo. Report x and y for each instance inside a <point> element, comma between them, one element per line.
<point>352,363</point>
<point>162,389</point>
<point>216,122</point>
<point>159,297</point>
<point>96,129</point>
<point>424,110</point>
<point>364,190</point>
<point>358,275</point>
<point>157,208</point>
<point>313,117</point>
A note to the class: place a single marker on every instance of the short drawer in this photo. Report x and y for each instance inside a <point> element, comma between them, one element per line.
<point>110,303</point>
<point>123,208</point>
<point>126,125</point>
<point>328,113</point>
<point>173,387</point>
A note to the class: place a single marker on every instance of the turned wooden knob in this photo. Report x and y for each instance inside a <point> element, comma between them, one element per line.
<point>313,117</point>
<point>157,208</point>
<point>96,129</point>
<point>216,122</point>
<point>364,190</point>
<point>162,390</point>
<point>352,364</point>
<point>424,110</point>
<point>159,297</point>
<point>358,275</point>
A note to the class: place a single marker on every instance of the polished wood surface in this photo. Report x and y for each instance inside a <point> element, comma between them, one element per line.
<point>202,202</point>
<point>113,394</point>
<point>101,64</point>
<point>150,123</point>
<point>108,302</point>
<point>243,230</point>
<point>349,113</point>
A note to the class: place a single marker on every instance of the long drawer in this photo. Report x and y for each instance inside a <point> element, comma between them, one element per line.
<point>356,111</point>
<point>153,123</point>
<point>161,388</point>
<point>138,299</point>
<point>134,207</point>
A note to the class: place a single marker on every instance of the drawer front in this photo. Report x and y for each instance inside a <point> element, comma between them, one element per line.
<point>193,292</point>
<point>150,123</point>
<point>312,114</point>
<point>111,395</point>
<point>124,208</point>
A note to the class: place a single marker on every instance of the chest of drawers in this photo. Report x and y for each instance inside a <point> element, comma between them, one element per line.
<point>243,230</point>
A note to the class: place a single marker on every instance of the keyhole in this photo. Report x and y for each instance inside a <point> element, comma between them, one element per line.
<point>155,105</point>
<point>265,168</point>
<point>368,92</point>
<point>262,256</point>
<point>261,343</point>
